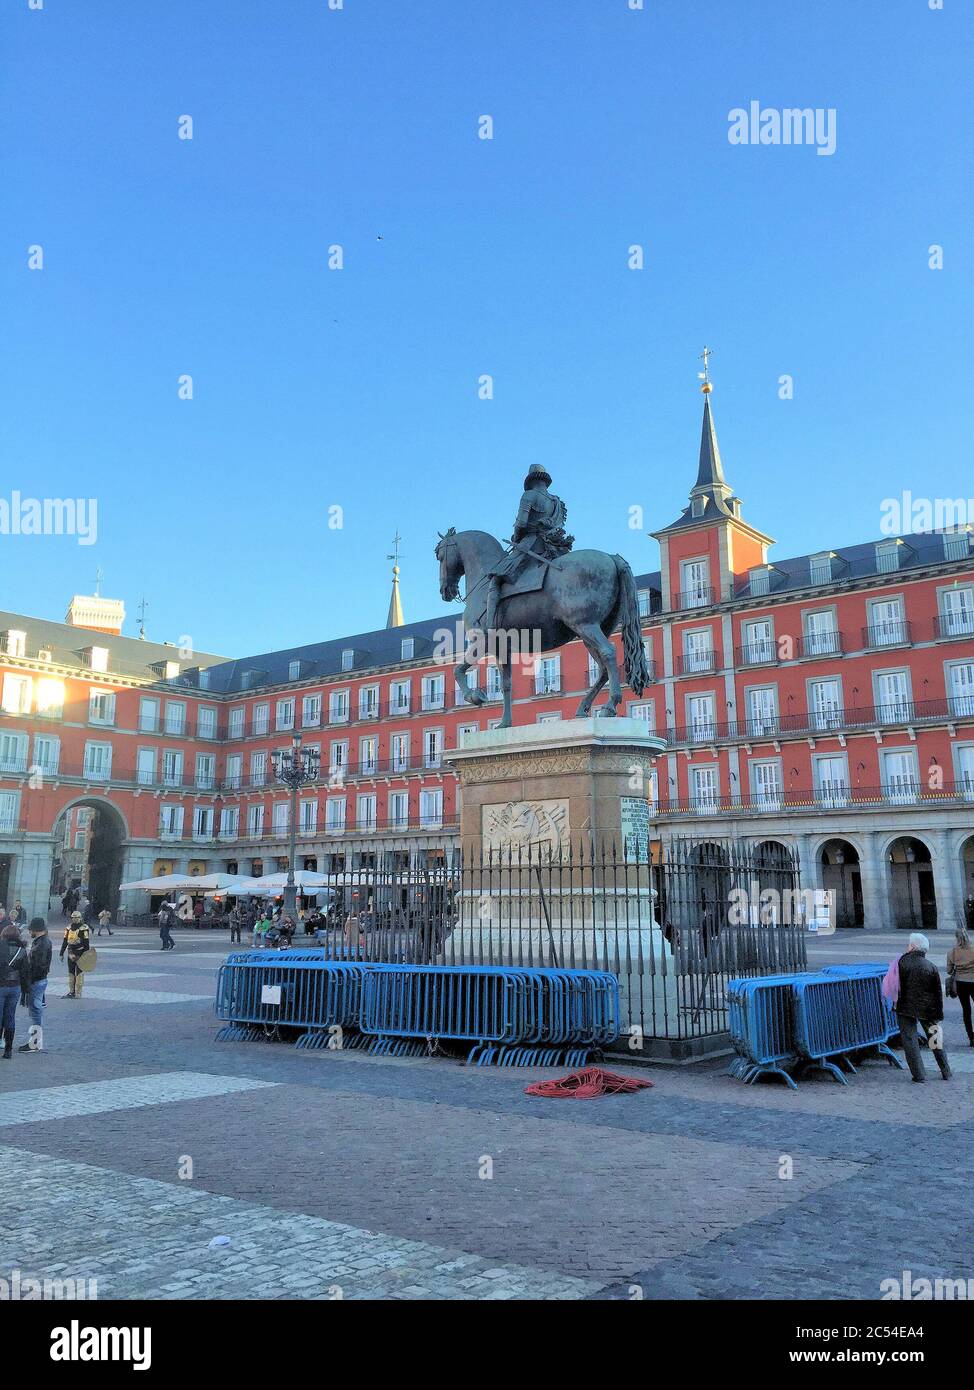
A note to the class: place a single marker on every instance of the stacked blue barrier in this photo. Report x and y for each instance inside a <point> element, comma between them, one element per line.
<point>803,1022</point>
<point>509,1016</point>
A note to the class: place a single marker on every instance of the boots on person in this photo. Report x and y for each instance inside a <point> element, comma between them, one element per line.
<point>8,1043</point>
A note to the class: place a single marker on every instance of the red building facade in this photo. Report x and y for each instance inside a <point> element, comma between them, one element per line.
<point>823,703</point>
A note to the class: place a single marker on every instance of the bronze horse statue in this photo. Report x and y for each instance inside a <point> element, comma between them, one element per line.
<point>586,594</point>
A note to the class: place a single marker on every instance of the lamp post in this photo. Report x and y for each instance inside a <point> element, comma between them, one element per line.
<point>296,768</point>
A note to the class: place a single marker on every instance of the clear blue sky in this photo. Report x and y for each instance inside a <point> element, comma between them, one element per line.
<point>358,388</point>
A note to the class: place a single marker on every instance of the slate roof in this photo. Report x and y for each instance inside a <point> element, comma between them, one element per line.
<point>128,656</point>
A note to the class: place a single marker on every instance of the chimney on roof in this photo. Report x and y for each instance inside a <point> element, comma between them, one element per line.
<point>96,613</point>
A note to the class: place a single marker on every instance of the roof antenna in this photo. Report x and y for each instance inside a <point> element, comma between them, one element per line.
<point>143,605</point>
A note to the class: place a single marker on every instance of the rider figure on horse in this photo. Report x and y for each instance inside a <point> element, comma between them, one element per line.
<point>539,530</point>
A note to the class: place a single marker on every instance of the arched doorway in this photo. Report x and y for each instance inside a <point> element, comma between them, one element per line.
<point>841,876</point>
<point>912,894</point>
<point>88,838</point>
<point>709,885</point>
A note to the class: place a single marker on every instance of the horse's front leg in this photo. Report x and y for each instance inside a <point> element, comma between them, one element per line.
<point>471,697</point>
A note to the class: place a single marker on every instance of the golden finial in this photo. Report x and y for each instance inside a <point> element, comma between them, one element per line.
<point>704,376</point>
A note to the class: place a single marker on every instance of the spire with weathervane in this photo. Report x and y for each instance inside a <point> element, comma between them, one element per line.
<point>395,618</point>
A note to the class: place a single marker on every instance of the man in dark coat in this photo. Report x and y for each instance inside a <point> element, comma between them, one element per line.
<point>921,1000</point>
<point>39,965</point>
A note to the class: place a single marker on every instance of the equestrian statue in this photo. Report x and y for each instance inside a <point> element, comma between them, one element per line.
<point>539,594</point>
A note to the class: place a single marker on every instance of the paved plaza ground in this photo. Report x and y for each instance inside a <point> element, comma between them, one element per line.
<point>137,1139</point>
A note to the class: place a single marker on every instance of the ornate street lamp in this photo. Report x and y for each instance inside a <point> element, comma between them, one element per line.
<point>296,768</point>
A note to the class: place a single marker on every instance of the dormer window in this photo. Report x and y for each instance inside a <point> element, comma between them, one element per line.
<point>406,649</point>
<point>16,643</point>
<point>97,658</point>
<point>957,543</point>
<point>204,680</point>
<point>348,659</point>
<point>888,556</point>
<point>698,506</point>
<point>294,671</point>
<point>820,568</point>
<point>760,577</point>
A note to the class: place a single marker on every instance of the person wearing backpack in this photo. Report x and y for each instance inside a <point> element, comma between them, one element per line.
<point>14,982</point>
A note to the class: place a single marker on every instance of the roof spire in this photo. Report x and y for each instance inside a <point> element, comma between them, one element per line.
<point>710,473</point>
<point>395,618</point>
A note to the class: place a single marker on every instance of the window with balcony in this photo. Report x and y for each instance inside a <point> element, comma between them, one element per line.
<point>398,810</point>
<point>644,601</point>
<point>258,769</point>
<point>831,775</point>
<point>957,543</point>
<point>758,646</point>
<point>148,715</point>
<point>206,721</point>
<point>368,702</point>
<point>202,822</point>
<point>705,789</point>
<point>892,697</point>
<point>701,721</point>
<point>255,822</point>
<point>434,693</point>
<point>281,817</point>
<point>762,711</point>
<point>145,767</point>
<point>956,612</point>
<point>175,717</point>
<point>9,811</point>
<point>961,687</point>
<point>235,722</point>
<point>338,707</point>
<point>494,687</point>
<point>47,753</point>
<point>229,822</point>
<point>825,704</point>
<point>766,785</point>
<point>900,782</point>
<point>399,697</point>
<point>400,752</point>
<point>285,714</point>
<point>698,652</point>
<point>431,809</point>
<point>170,822</point>
<point>98,761</point>
<point>262,719</point>
<point>308,824</point>
<point>172,768</point>
<point>338,759</point>
<point>432,747</point>
<point>695,589</point>
<point>335,815</point>
<point>205,771</point>
<point>365,812</point>
<point>886,625</point>
<point>13,752</point>
<point>547,675</point>
<point>820,636</point>
<point>964,770</point>
<point>234,772</point>
<point>644,710</point>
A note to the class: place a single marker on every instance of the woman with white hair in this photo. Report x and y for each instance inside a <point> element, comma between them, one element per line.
<point>921,1000</point>
<point>960,976</point>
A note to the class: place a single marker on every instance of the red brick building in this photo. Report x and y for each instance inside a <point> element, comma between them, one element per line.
<point>825,703</point>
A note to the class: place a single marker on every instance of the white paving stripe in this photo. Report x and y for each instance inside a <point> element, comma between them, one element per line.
<point>141,1238</point>
<point>124,1093</point>
<point>140,996</point>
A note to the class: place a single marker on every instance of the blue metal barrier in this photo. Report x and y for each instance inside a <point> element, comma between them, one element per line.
<point>761,1018</point>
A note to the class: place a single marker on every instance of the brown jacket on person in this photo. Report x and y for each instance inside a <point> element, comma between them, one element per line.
<point>961,958</point>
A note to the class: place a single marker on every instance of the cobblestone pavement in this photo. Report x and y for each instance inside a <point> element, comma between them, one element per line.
<point>340,1175</point>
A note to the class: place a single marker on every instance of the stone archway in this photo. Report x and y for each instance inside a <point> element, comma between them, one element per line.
<point>967,864</point>
<point>841,875</point>
<point>913,897</point>
<point>100,863</point>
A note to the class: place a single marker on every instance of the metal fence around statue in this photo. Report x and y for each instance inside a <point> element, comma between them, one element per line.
<point>673,932</point>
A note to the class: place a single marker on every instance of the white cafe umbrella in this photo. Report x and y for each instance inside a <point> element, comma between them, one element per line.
<point>239,888</point>
<point>189,883</point>
<point>164,883</point>
<point>304,879</point>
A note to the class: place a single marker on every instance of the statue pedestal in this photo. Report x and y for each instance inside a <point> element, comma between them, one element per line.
<point>555,828</point>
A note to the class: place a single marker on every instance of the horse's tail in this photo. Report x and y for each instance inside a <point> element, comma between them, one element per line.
<point>637,671</point>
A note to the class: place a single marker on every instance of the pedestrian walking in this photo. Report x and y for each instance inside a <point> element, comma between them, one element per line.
<point>77,940</point>
<point>39,966</point>
<point>236,923</point>
<point>104,922</point>
<point>921,1000</point>
<point>14,979</point>
<point>84,907</point>
<point>167,916</point>
<point>960,976</point>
